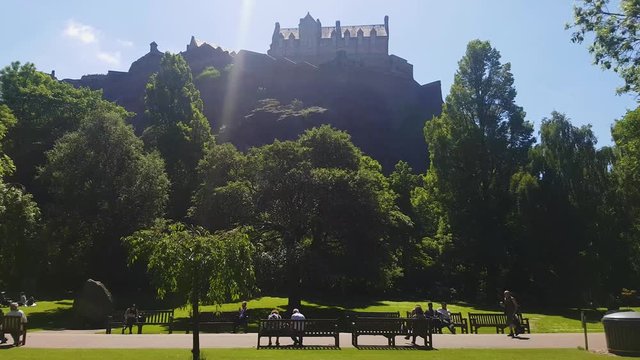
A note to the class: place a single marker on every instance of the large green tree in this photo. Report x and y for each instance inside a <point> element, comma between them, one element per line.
<point>616,36</point>
<point>21,253</point>
<point>195,264</point>
<point>326,207</point>
<point>103,187</point>
<point>626,134</point>
<point>178,129</point>
<point>45,109</point>
<point>476,145</point>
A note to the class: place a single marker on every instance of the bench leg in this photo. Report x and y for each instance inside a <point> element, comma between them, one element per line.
<point>139,329</point>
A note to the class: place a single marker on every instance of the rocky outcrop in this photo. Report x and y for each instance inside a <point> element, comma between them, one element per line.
<point>384,113</point>
<point>93,303</point>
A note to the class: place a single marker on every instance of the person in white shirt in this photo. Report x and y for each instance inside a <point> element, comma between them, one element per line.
<point>275,315</point>
<point>445,317</point>
<point>298,326</point>
<point>18,313</point>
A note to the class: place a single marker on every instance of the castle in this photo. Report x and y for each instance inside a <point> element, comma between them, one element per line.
<point>366,45</point>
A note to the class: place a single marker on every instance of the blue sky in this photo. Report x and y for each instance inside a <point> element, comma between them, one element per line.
<point>88,37</point>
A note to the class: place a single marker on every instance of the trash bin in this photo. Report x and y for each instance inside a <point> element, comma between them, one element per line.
<point>622,331</point>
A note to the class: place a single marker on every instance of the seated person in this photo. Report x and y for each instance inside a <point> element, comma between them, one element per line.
<point>275,315</point>
<point>444,316</point>
<point>243,317</point>
<point>418,314</point>
<point>23,299</point>
<point>4,339</point>
<point>19,313</point>
<point>298,327</point>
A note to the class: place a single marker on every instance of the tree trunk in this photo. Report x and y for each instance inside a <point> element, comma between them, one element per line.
<point>295,291</point>
<point>195,299</point>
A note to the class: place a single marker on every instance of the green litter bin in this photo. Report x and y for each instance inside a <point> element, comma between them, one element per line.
<point>622,331</point>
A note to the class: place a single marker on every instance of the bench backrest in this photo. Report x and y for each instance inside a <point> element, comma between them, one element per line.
<point>487,318</point>
<point>456,318</point>
<point>11,323</point>
<point>375,314</point>
<point>308,326</point>
<point>379,325</point>
<point>157,317</point>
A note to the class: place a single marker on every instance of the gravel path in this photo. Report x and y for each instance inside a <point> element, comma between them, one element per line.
<point>75,339</point>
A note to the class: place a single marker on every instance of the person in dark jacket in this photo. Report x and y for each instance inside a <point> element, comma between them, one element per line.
<point>511,309</point>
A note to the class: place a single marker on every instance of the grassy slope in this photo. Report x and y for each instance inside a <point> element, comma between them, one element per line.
<point>58,314</point>
<point>351,354</point>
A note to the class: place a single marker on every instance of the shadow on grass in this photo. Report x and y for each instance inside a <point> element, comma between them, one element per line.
<point>55,319</point>
<point>386,347</point>
<point>305,347</point>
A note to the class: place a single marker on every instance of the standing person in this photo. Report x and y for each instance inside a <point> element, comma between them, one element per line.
<point>298,327</point>
<point>445,317</point>
<point>19,313</point>
<point>413,316</point>
<point>275,315</point>
<point>511,309</point>
<point>243,317</point>
<point>130,318</point>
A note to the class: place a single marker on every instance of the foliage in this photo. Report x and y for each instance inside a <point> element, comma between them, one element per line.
<point>476,145</point>
<point>7,120</point>
<point>103,187</point>
<point>21,248</point>
<point>209,73</point>
<point>178,130</point>
<point>626,170</point>
<point>195,264</point>
<point>45,110</point>
<point>616,37</point>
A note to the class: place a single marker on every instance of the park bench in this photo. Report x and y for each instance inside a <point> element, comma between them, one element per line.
<point>145,317</point>
<point>215,321</point>
<point>390,328</point>
<point>456,320</point>
<point>14,324</point>
<point>301,328</point>
<point>497,320</point>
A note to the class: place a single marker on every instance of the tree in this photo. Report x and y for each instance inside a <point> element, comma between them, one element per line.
<point>325,206</point>
<point>567,207</point>
<point>626,170</point>
<point>223,198</point>
<point>19,223</point>
<point>178,129</point>
<point>616,37</point>
<point>476,145</point>
<point>190,261</point>
<point>103,187</point>
<point>45,109</point>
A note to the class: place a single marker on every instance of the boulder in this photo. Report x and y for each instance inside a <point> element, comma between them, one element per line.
<point>93,303</point>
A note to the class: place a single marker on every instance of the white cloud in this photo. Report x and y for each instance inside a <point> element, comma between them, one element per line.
<point>125,43</point>
<point>109,58</point>
<point>84,33</point>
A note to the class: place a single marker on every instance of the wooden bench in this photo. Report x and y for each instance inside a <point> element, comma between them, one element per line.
<point>497,320</point>
<point>145,317</point>
<point>392,327</point>
<point>456,320</point>
<point>301,328</point>
<point>13,324</point>
<point>209,320</point>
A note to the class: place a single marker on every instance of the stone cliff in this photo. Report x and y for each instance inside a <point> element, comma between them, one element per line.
<point>383,111</point>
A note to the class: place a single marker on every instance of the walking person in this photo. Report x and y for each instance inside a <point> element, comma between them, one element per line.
<point>130,318</point>
<point>511,309</point>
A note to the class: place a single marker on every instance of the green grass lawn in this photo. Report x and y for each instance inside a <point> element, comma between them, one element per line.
<point>51,315</point>
<point>351,354</point>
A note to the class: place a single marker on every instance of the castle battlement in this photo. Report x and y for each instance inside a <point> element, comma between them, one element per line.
<point>367,45</point>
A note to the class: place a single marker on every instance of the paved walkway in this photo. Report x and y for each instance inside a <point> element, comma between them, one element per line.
<point>78,339</point>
